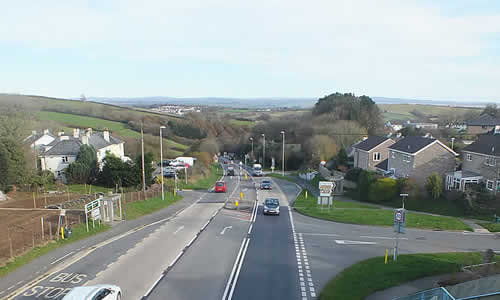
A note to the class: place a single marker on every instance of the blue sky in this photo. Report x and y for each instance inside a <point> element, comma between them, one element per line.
<point>422,49</point>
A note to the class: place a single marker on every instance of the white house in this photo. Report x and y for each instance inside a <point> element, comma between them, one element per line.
<point>37,140</point>
<point>57,155</point>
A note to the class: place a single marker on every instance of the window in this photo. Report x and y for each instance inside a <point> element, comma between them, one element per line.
<point>489,185</point>
<point>376,156</point>
<point>393,154</point>
<point>468,156</point>
<point>65,159</point>
<point>490,161</point>
<point>406,158</point>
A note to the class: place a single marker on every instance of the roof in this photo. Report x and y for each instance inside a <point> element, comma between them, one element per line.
<point>484,120</point>
<point>34,137</point>
<point>370,143</point>
<point>412,144</point>
<point>382,165</point>
<point>488,144</point>
<point>65,147</point>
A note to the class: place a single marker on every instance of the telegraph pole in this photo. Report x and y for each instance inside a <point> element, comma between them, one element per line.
<point>283,159</point>
<point>142,154</point>
<point>263,151</point>
<point>161,161</point>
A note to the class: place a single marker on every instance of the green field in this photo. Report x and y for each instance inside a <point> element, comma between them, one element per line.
<point>137,209</point>
<point>403,111</point>
<point>366,277</point>
<point>242,123</point>
<point>389,116</point>
<point>356,213</point>
<point>120,129</point>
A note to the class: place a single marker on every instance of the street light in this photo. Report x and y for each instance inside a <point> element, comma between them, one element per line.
<point>161,161</point>
<point>452,140</point>
<point>283,159</point>
<point>263,151</point>
<point>251,139</point>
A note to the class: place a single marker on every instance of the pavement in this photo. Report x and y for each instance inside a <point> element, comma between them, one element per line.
<point>408,288</point>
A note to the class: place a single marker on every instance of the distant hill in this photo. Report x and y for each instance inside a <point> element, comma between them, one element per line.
<point>264,102</point>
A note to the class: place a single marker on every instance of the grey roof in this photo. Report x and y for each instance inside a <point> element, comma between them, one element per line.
<point>484,120</point>
<point>486,144</point>
<point>34,137</point>
<point>382,165</point>
<point>412,144</point>
<point>65,147</point>
<point>370,143</point>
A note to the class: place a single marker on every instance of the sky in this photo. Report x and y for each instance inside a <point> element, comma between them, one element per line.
<point>422,49</point>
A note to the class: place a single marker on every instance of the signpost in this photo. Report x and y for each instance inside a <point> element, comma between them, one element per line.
<point>94,208</point>
<point>272,165</point>
<point>326,189</point>
<point>399,227</point>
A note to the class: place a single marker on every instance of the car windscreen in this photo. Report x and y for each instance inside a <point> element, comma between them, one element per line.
<point>219,184</point>
<point>266,182</point>
<point>271,202</point>
<point>257,168</point>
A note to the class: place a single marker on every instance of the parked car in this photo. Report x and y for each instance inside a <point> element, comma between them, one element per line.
<point>272,206</point>
<point>220,187</point>
<point>95,292</point>
<point>169,173</point>
<point>266,185</point>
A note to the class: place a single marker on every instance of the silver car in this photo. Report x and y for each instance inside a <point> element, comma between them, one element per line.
<point>95,292</point>
<point>272,206</point>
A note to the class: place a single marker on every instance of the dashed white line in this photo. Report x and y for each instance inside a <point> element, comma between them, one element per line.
<point>61,258</point>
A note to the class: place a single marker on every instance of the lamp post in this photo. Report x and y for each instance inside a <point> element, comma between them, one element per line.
<point>263,151</point>
<point>251,139</point>
<point>452,140</point>
<point>283,158</point>
<point>161,161</point>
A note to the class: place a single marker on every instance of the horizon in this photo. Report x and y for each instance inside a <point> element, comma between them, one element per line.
<point>412,50</point>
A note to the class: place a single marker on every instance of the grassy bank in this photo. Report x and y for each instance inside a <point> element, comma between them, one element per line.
<point>137,209</point>
<point>83,188</point>
<point>79,232</point>
<point>493,227</point>
<point>356,213</point>
<point>279,176</point>
<point>371,275</point>
<point>204,183</point>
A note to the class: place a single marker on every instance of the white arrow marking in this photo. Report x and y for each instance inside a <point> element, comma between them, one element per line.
<point>224,230</point>
<point>344,242</point>
<point>179,229</point>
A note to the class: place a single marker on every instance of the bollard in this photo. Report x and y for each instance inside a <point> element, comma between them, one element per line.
<point>306,194</point>
<point>386,254</point>
<point>62,232</point>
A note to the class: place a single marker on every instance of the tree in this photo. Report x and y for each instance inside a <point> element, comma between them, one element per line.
<point>117,172</point>
<point>85,168</point>
<point>323,147</point>
<point>434,185</point>
<point>148,168</point>
<point>365,181</point>
<point>490,109</point>
<point>12,163</point>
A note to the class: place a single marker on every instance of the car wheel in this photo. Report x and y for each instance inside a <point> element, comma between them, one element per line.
<point>119,296</point>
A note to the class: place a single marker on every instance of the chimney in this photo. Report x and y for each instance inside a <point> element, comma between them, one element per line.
<point>63,138</point>
<point>33,132</point>
<point>105,134</point>
<point>85,139</point>
<point>88,132</point>
<point>45,131</point>
<point>60,133</point>
<point>76,133</point>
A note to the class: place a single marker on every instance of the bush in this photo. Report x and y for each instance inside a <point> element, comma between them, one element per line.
<point>434,185</point>
<point>366,179</point>
<point>383,190</point>
<point>353,174</point>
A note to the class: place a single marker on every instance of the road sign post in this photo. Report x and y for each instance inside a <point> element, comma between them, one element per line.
<point>325,193</point>
<point>399,227</point>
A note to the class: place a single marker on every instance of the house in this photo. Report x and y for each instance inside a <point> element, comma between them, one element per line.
<point>423,125</point>
<point>57,155</point>
<point>394,126</point>
<point>38,140</point>
<point>481,163</point>
<point>371,151</point>
<point>485,123</point>
<point>418,157</point>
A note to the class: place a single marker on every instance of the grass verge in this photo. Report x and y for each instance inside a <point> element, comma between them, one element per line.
<point>355,213</point>
<point>493,227</point>
<point>207,182</point>
<point>279,176</point>
<point>79,232</point>
<point>84,188</point>
<point>371,275</point>
<point>137,209</point>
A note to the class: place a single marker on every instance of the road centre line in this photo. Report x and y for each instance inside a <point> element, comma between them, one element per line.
<point>239,269</point>
<point>226,290</point>
<point>61,258</point>
<point>250,228</point>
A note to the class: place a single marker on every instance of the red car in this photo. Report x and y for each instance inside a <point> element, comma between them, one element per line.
<point>220,187</point>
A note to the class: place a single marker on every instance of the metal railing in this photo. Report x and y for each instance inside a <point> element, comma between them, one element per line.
<point>433,294</point>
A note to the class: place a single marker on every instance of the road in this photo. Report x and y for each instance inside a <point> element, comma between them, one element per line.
<point>200,250</point>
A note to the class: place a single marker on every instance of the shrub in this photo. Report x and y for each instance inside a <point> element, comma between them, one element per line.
<point>383,190</point>
<point>434,185</point>
<point>366,179</point>
<point>353,174</point>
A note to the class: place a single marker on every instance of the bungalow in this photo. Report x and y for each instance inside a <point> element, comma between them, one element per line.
<point>485,123</point>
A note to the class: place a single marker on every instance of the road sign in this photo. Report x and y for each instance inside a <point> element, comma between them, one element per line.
<point>399,216</point>
<point>326,188</point>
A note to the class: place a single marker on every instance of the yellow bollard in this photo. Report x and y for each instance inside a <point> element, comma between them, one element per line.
<point>241,195</point>
<point>175,192</point>
<point>62,232</point>
<point>246,176</point>
<point>306,194</point>
<point>386,254</point>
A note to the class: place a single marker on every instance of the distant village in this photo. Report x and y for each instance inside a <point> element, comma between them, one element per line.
<point>179,110</point>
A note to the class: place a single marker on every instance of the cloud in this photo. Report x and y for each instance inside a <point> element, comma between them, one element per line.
<point>375,47</point>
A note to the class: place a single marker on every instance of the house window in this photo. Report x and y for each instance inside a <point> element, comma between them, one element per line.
<point>489,185</point>
<point>376,156</point>
<point>468,156</point>
<point>393,154</point>
<point>65,159</point>
<point>406,158</point>
<point>490,161</point>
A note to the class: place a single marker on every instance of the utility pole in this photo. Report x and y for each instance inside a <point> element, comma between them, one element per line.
<point>251,139</point>
<point>161,161</point>
<point>283,159</point>
<point>452,140</point>
<point>143,174</point>
<point>263,151</point>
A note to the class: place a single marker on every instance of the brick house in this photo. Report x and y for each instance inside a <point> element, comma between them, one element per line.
<point>481,163</point>
<point>371,151</point>
<point>485,123</point>
<point>418,157</point>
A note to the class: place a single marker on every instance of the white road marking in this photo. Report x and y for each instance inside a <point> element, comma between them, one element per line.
<point>179,229</point>
<point>20,282</point>
<point>250,228</point>
<point>381,237</point>
<point>176,258</point>
<point>233,270</point>
<point>1,292</point>
<point>225,228</point>
<point>191,241</point>
<point>239,269</point>
<point>345,242</point>
<point>11,287</point>
<point>55,261</point>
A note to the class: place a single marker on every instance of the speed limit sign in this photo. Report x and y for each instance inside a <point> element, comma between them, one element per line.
<point>399,216</point>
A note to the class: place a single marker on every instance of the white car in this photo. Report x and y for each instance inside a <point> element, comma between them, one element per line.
<point>95,292</point>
